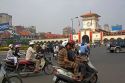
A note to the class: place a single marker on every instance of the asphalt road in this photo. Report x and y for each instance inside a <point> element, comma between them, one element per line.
<point>110,66</point>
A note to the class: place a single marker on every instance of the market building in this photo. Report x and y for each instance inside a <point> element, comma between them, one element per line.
<point>91,31</point>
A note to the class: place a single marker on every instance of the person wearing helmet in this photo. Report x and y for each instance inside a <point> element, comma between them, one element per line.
<point>73,55</point>
<point>30,51</point>
<point>10,54</point>
<point>30,55</point>
<point>17,51</point>
<point>63,59</point>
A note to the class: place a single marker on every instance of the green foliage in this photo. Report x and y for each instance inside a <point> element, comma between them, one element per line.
<point>10,41</point>
<point>6,48</point>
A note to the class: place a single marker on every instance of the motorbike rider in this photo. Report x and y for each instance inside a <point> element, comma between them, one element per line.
<point>17,51</point>
<point>73,55</point>
<point>30,55</point>
<point>10,54</point>
<point>63,60</point>
<point>39,48</point>
<point>84,49</point>
<point>66,59</point>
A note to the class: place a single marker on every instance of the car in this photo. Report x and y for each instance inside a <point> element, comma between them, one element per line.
<point>117,46</point>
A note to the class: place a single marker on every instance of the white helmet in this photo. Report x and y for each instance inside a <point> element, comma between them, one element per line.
<point>17,46</point>
<point>64,43</point>
<point>31,43</point>
<point>11,46</point>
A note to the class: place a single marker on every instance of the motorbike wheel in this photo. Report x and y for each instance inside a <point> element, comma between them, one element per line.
<point>94,79</point>
<point>13,79</point>
<point>49,69</point>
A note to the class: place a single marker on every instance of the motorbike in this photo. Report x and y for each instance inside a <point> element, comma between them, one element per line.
<point>25,68</point>
<point>9,77</point>
<point>62,75</point>
<point>55,55</point>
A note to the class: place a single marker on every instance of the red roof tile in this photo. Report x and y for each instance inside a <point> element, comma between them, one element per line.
<point>25,33</point>
<point>89,14</point>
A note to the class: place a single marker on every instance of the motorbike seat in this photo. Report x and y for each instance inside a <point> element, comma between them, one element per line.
<point>23,61</point>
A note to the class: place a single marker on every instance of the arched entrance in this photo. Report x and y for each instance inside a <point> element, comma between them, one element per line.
<point>105,40</point>
<point>85,38</point>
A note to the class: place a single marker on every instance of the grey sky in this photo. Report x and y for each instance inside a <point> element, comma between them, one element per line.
<point>53,15</point>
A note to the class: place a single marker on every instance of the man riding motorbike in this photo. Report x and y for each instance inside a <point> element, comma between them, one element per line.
<point>66,59</point>
<point>30,55</point>
<point>63,60</point>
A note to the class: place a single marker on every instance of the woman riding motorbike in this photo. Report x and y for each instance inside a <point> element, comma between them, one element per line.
<point>10,54</point>
<point>17,51</point>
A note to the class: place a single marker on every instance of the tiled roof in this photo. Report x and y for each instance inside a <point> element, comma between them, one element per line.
<point>89,14</point>
<point>25,33</point>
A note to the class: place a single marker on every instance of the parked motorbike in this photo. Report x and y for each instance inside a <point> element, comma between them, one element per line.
<point>8,77</point>
<point>25,68</point>
<point>62,75</point>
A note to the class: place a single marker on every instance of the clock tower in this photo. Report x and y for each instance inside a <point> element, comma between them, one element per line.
<point>90,21</point>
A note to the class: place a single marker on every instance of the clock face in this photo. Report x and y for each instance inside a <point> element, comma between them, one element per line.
<point>89,24</point>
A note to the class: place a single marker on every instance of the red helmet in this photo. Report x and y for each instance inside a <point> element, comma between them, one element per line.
<point>72,43</point>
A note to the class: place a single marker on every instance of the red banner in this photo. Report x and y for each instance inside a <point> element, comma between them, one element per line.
<point>79,37</point>
<point>101,35</point>
<point>90,36</point>
<point>71,37</point>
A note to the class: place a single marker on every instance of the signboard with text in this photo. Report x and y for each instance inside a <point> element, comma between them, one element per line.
<point>4,26</point>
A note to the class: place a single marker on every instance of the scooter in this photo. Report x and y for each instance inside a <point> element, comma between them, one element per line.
<point>62,75</point>
<point>8,77</point>
<point>55,55</point>
<point>25,68</point>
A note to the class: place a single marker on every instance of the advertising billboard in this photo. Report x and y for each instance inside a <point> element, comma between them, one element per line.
<point>117,28</point>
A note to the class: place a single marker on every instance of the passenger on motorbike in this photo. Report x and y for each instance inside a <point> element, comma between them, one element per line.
<point>10,54</point>
<point>66,59</point>
<point>40,55</point>
<point>73,56</point>
<point>39,48</point>
<point>30,55</point>
<point>17,51</point>
<point>63,60</point>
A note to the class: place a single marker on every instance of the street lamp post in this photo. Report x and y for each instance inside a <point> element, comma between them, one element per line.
<point>72,30</point>
<point>72,23</point>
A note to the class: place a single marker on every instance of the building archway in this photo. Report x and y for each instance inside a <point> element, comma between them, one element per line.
<point>105,40</point>
<point>112,40</point>
<point>85,38</point>
<point>119,39</point>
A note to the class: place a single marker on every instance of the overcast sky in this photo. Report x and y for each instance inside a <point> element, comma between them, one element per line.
<point>53,15</point>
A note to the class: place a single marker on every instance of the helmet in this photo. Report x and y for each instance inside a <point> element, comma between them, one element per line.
<point>72,42</point>
<point>11,46</point>
<point>64,43</point>
<point>17,46</point>
<point>31,43</point>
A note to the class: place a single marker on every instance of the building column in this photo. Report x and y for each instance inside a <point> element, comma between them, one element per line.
<point>90,34</point>
<point>101,37</point>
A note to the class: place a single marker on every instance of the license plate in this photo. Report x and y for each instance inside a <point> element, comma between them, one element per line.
<point>54,78</point>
